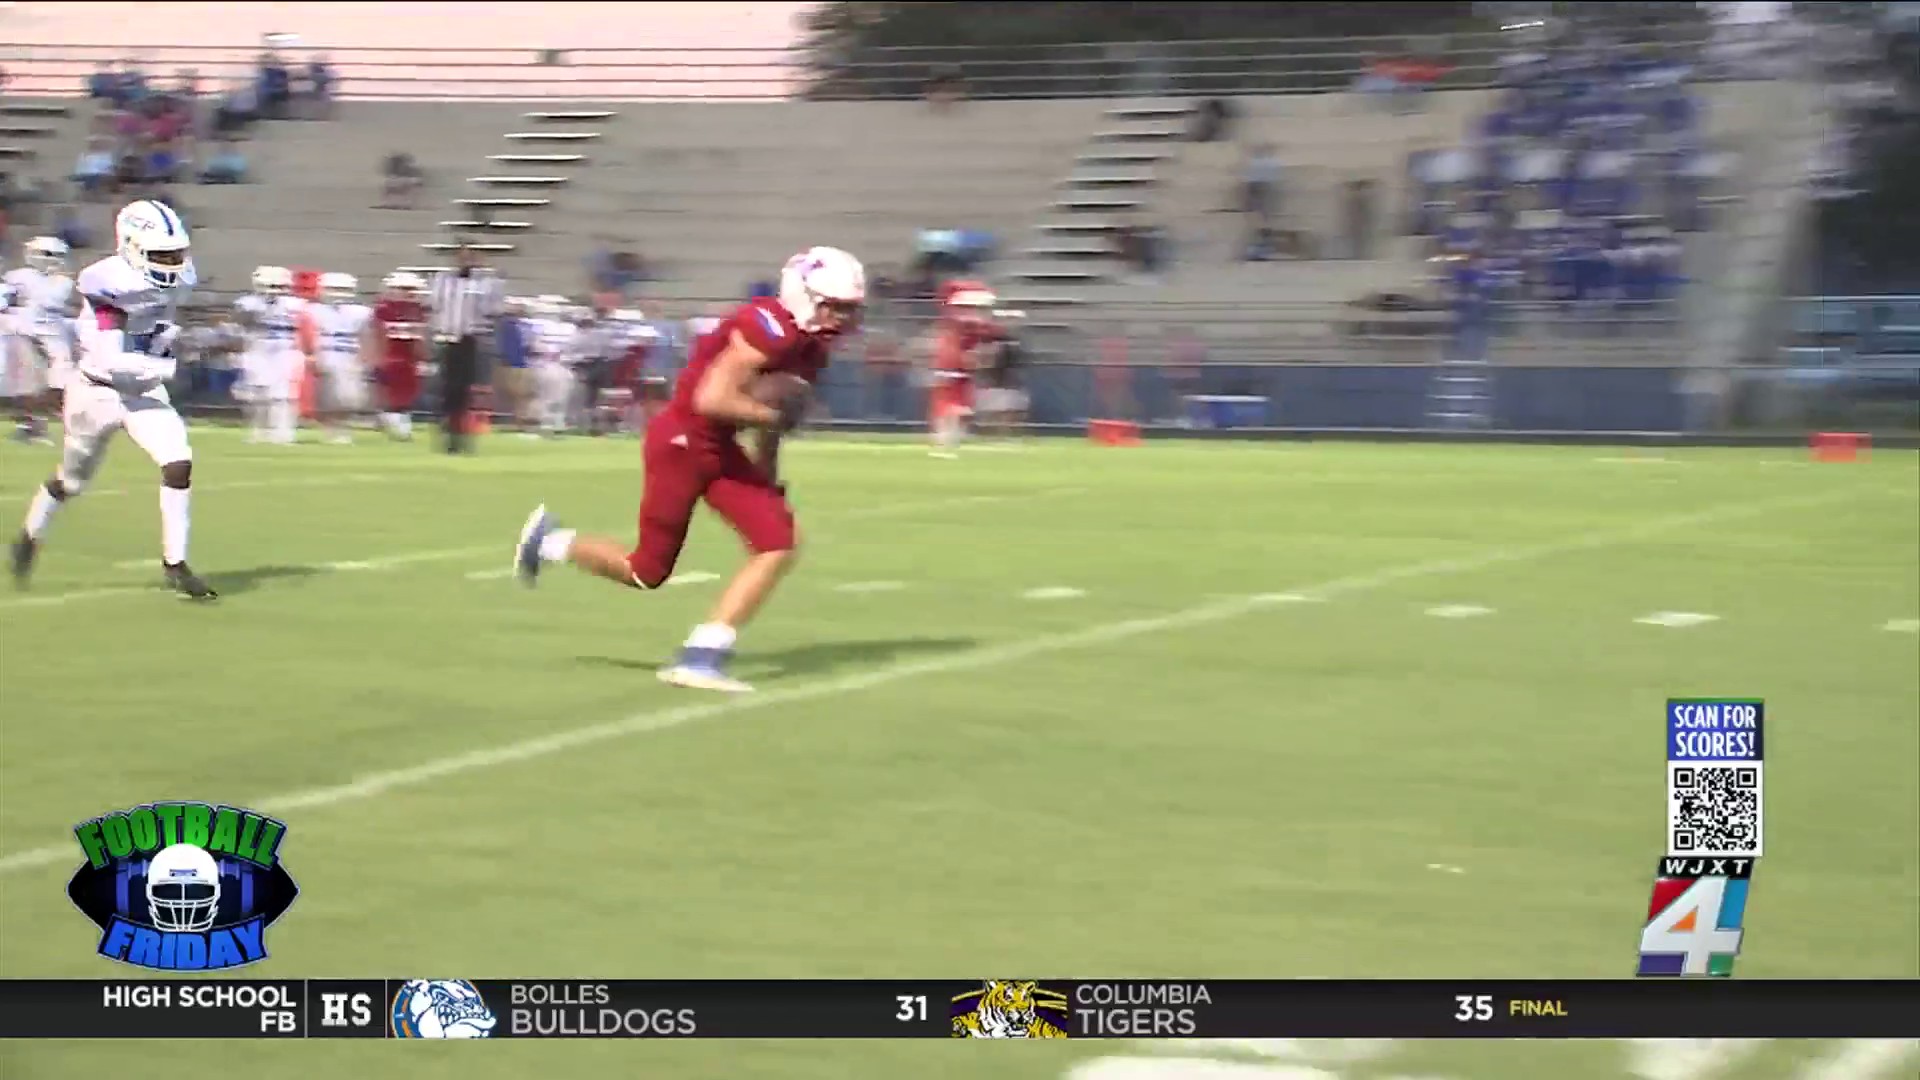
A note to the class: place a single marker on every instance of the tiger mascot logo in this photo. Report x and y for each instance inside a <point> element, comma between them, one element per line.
<point>1006,1009</point>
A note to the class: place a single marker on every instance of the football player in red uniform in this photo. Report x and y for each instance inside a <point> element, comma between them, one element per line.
<point>400,325</point>
<point>966,325</point>
<point>690,453</point>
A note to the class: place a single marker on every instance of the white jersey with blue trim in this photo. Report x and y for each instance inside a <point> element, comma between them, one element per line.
<point>40,301</point>
<point>338,329</point>
<point>275,320</point>
<point>126,326</point>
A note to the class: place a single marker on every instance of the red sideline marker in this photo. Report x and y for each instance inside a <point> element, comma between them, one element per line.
<point>1839,445</point>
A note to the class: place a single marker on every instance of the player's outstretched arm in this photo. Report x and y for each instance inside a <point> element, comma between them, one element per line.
<point>723,393</point>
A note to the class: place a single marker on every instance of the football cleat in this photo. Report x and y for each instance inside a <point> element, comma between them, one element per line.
<point>24,549</point>
<point>182,579</point>
<point>526,554</point>
<point>703,669</point>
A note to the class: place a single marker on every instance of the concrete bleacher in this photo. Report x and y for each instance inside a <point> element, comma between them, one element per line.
<point>1324,141</point>
<point>716,195</point>
<point>710,195</point>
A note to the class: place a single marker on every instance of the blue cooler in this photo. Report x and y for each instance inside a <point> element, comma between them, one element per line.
<point>1228,411</point>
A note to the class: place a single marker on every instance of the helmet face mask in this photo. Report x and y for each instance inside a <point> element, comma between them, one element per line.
<point>183,889</point>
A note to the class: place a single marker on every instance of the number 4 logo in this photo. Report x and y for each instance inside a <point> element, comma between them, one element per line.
<point>1696,931</point>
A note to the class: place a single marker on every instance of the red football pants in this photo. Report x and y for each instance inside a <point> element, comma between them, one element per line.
<point>680,471</point>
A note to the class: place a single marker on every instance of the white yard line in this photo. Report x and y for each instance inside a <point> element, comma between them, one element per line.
<point>869,586</point>
<point>230,485</point>
<point>1862,1059</point>
<point>376,784</point>
<point>1053,592</point>
<point>1458,611</point>
<point>1677,620</point>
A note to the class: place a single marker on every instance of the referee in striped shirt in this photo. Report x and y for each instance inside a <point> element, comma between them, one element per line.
<point>465,302</point>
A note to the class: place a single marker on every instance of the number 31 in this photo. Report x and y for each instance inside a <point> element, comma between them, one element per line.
<point>912,1007</point>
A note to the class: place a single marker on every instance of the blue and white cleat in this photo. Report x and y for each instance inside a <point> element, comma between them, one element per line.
<point>703,669</point>
<point>526,554</point>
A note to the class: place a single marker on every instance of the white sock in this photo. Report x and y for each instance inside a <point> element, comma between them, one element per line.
<point>711,636</point>
<point>283,420</point>
<point>555,545</point>
<point>175,521</point>
<point>405,424</point>
<point>40,512</point>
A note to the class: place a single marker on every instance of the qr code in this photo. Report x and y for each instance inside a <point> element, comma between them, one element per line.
<point>1713,810</point>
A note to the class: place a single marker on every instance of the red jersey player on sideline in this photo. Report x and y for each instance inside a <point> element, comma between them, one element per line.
<point>400,321</point>
<point>966,323</point>
<point>690,453</point>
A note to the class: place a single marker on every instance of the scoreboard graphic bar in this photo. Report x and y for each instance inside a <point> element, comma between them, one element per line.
<point>1065,1008</point>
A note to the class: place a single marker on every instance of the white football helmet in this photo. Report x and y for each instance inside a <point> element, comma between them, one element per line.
<point>183,889</point>
<point>272,280</point>
<point>339,288</point>
<point>153,240</point>
<point>822,281</point>
<point>405,281</point>
<point>47,254</point>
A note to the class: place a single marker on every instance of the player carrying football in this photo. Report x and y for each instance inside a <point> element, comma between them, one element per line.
<point>690,453</point>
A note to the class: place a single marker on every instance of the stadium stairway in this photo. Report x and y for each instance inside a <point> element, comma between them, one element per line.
<point>316,184</point>
<point>41,139</point>
<point>1113,181</point>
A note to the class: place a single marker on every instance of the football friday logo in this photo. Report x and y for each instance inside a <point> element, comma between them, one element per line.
<point>182,886</point>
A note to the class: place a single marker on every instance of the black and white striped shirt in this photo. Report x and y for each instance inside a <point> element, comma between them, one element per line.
<point>464,306</point>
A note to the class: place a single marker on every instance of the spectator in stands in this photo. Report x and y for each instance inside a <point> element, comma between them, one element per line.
<point>1357,219</point>
<point>227,165</point>
<point>946,88</point>
<point>320,88</point>
<point>1260,185</point>
<point>1213,120</point>
<point>103,84</point>
<point>162,163</point>
<point>93,170</point>
<point>238,107</point>
<point>1141,247</point>
<point>401,181</point>
<point>69,228</point>
<point>276,86</point>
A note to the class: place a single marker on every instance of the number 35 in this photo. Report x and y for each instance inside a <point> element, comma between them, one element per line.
<point>1472,1007</point>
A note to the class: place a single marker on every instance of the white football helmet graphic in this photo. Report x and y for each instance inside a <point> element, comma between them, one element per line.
<point>272,280</point>
<point>47,254</point>
<point>819,276</point>
<point>441,1009</point>
<point>183,889</point>
<point>153,240</point>
<point>339,288</point>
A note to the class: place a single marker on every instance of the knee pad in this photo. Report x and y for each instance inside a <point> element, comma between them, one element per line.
<point>177,474</point>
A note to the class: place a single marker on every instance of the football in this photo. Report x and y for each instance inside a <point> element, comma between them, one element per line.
<point>788,393</point>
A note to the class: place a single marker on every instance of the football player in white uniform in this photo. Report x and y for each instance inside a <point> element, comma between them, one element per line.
<point>126,334</point>
<point>551,336</point>
<point>36,351</point>
<point>278,352</point>
<point>343,341</point>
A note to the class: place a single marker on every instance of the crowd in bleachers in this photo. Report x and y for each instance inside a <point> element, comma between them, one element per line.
<point>1573,192</point>
<point>149,133</point>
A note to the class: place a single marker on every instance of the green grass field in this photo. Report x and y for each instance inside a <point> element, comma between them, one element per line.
<point>1183,710</point>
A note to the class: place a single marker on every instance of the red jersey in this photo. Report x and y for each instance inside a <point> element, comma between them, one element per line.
<point>955,346</point>
<point>767,327</point>
<point>402,326</point>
